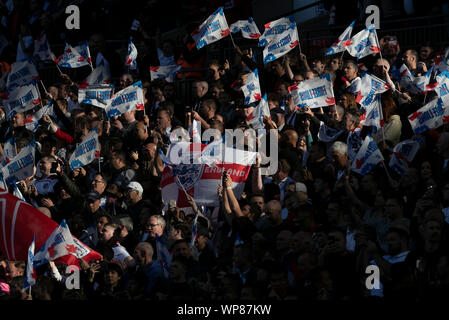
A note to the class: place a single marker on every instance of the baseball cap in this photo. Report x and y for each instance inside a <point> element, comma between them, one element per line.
<point>93,195</point>
<point>135,186</point>
<point>299,186</point>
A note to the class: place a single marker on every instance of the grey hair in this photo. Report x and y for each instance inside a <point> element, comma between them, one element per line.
<point>127,222</point>
<point>160,220</point>
<point>339,147</point>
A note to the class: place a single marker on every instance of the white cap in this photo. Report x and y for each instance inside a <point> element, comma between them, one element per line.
<point>299,186</point>
<point>135,186</point>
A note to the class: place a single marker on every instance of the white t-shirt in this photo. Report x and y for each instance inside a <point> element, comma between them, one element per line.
<point>120,253</point>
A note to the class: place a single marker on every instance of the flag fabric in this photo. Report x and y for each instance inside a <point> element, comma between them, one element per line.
<point>165,72</point>
<point>247,27</point>
<point>72,58</point>
<point>415,85</point>
<point>354,142</point>
<point>280,45</point>
<point>342,41</point>
<point>441,87</point>
<point>100,75</point>
<point>370,87</point>
<point>83,50</point>
<point>9,151</point>
<point>130,59</point>
<point>194,235</point>
<point>201,180</point>
<point>30,274</point>
<point>20,222</point>
<point>314,93</point>
<point>163,256</point>
<point>255,119</point>
<point>32,121</point>
<point>328,134</point>
<point>21,99</point>
<point>363,43</point>
<point>251,88</point>
<point>195,131</point>
<point>99,95</point>
<point>403,154</point>
<point>276,28</point>
<point>42,48</point>
<point>441,61</point>
<point>21,166</point>
<point>428,117</point>
<point>213,29</point>
<point>127,99</point>
<point>87,151</point>
<point>367,157</point>
<point>22,73</point>
<point>372,115</point>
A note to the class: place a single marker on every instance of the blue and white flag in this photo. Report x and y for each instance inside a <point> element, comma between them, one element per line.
<point>9,151</point>
<point>248,27</point>
<point>165,72</point>
<point>403,154</point>
<point>363,43</point>
<point>21,99</point>
<point>251,88</point>
<point>163,256</point>
<point>314,93</point>
<point>370,87</point>
<point>441,87</point>
<point>127,99</point>
<point>367,157</point>
<point>255,119</point>
<point>415,85</point>
<point>280,45</point>
<point>72,58</point>
<point>87,151</point>
<point>342,41</point>
<point>275,28</point>
<point>372,114</point>
<point>441,61</point>
<point>42,48</point>
<point>428,117</point>
<point>99,95</point>
<point>30,274</point>
<point>328,134</point>
<point>213,29</point>
<point>60,243</point>
<point>130,60</point>
<point>100,75</point>
<point>22,73</point>
<point>32,121</point>
<point>21,166</point>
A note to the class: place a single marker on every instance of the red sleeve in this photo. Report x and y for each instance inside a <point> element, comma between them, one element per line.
<point>66,138</point>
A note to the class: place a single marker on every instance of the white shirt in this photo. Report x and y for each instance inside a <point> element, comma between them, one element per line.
<point>120,253</point>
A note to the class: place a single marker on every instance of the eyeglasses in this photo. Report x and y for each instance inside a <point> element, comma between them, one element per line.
<point>153,225</point>
<point>97,181</point>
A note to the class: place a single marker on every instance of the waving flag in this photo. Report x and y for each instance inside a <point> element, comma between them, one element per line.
<point>99,96</point>
<point>22,73</point>
<point>213,29</point>
<point>280,45</point>
<point>131,57</point>
<point>373,115</point>
<point>415,85</point>
<point>354,142</point>
<point>442,84</point>
<point>163,256</point>
<point>20,222</point>
<point>195,131</point>
<point>87,151</point>
<point>370,87</point>
<point>42,48</point>
<point>251,88</point>
<point>428,117</point>
<point>255,119</point>
<point>194,235</point>
<point>328,134</point>
<point>32,121</point>
<point>275,28</point>
<point>363,43</point>
<point>21,99</point>
<point>60,243</point>
<point>201,180</point>
<point>342,41</point>
<point>248,27</point>
<point>441,61</point>
<point>128,99</point>
<point>21,166</point>
<point>314,93</point>
<point>403,154</point>
<point>30,275</point>
<point>165,72</point>
<point>367,157</point>
<point>100,75</point>
<point>72,58</point>
<point>9,151</point>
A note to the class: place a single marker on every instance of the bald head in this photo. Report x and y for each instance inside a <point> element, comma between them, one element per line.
<point>274,212</point>
<point>291,137</point>
<point>143,253</point>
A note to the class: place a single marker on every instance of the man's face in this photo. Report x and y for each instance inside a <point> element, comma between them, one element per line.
<point>149,151</point>
<point>259,201</point>
<point>125,81</point>
<point>409,59</point>
<point>272,104</point>
<point>18,120</point>
<point>318,66</point>
<point>392,208</point>
<point>201,242</point>
<point>335,64</point>
<point>337,239</point>
<point>139,255</point>
<point>432,231</point>
<point>45,165</point>
<point>107,233</point>
<point>141,131</point>
<point>169,91</point>
<point>425,52</point>
<point>350,71</point>
<point>182,250</point>
<point>93,205</point>
<point>116,161</point>
<point>154,227</point>
<point>273,213</point>
<point>339,159</point>
<point>163,120</point>
<point>100,223</point>
<point>349,123</point>
<point>248,111</point>
<point>198,90</point>
<point>98,184</point>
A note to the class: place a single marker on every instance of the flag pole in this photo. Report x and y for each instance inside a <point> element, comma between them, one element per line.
<point>232,38</point>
